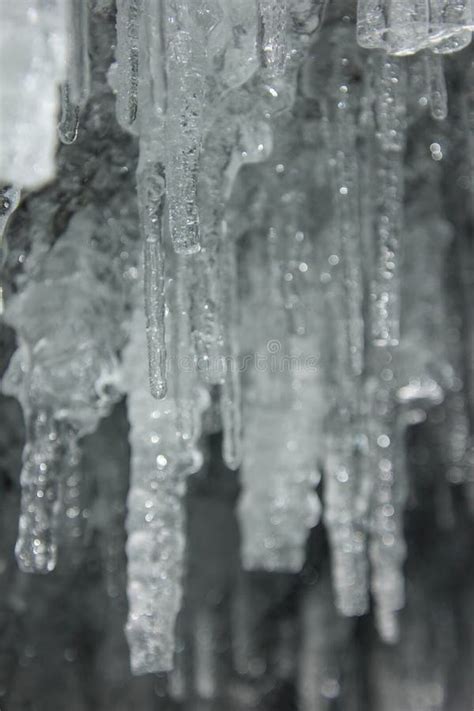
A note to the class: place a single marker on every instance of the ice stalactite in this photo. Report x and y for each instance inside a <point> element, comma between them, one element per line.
<point>36,60</point>
<point>238,133</point>
<point>343,161</point>
<point>391,133</point>
<point>49,462</point>
<point>387,547</point>
<point>230,141</point>
<point>155,545</point>
<point>151,188</point>
<point>437,92</point>
<point>185,387</point>
<point>161,459</point>
<point>76,88</point>
<point>206,321</point>
<point>64,388</point>
<point>127,54</point>
<point>49,481</point>
<point>231,144</point>
<point>186,73</point>
<point>231,400</point>
<point>281,420</point>
<point>36,547</point>
<point>345,487</point>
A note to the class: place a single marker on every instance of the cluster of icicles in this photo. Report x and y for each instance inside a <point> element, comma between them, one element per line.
<point>209,87</point>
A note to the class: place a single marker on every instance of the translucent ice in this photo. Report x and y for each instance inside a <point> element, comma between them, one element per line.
<point>161,459</point>
<point>33,46</point>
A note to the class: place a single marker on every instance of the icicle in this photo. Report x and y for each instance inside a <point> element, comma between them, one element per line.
<point>36,547</point>
<point>367,153</point>
<point>127,54</point>
<point>231,396</point>
<point>437,92</point>
<point>151,187</point>
<point>155,545</point>
<point>232,142</point>
<point>185,382</point>
<point>69,124</point>
<point>274,19</point>
<point>78,68</point>
<point>253,145</point>
<point>207,324</point>
<point>63,377</point>
<point>279,474</point>
<point>161,458</point>
<point>186,77</point>
<point>346,498</point>
<point>75,90</point>
<point>386,446</point>
<point>391,134</point>
<point>347,210</point>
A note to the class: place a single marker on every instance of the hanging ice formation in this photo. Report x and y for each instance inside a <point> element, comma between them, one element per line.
<point>76,87</point>
<point>64,388</point>
<point>164,436</point>
<point>286,236</point>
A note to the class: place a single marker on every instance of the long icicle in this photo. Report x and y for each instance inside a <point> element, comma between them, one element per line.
<point>160,461</point>
<point>231,396</point>
<point>46,463</point>
<point>391,118</point>
<point>151,195</point>
<point>186,74</point>
<point>128,23</point>
<point>436,82</point>
<point>186,391</point>
<point>387,548</point>
<point>344,515</point>
<point>76,88</point>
